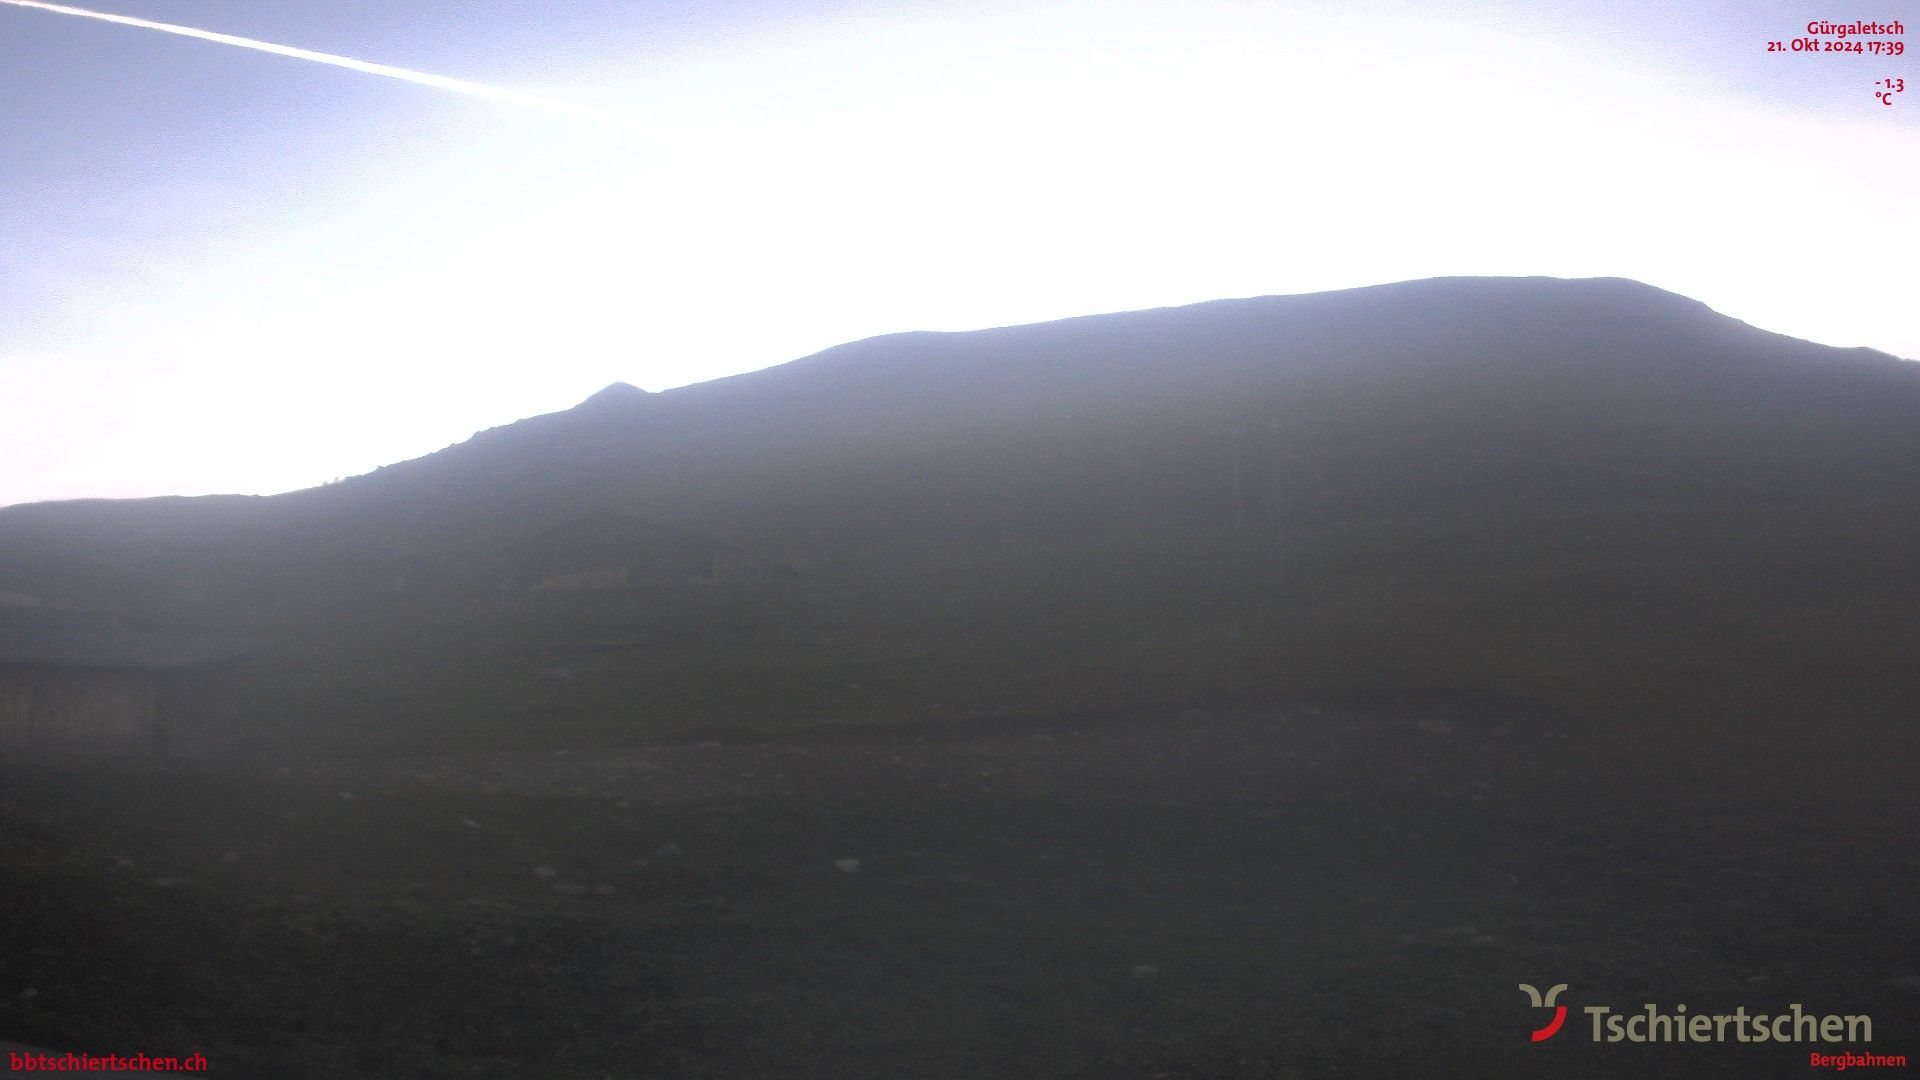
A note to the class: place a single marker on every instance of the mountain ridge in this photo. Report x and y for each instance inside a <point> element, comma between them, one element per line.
<point>623,395</point>
<point>1594,494</point>
<point>1406,392</point>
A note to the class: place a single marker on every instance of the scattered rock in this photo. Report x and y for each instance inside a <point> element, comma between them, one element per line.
<point>851,866</point>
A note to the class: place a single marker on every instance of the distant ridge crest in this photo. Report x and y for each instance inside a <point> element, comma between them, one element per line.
<point>619,393</point>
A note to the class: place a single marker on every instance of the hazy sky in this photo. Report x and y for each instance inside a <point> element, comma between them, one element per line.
<point>228,271</point>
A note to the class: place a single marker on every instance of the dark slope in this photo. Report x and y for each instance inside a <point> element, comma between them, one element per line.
<point>1453,382</point>
<point>1367,399</point>
<point>1563,359</point>
<point>1558,488</point>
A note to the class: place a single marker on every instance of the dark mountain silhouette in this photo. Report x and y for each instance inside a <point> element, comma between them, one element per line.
<point>1592,431</point>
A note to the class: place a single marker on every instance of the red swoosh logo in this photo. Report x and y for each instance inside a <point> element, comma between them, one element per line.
<point>1545,1033</point>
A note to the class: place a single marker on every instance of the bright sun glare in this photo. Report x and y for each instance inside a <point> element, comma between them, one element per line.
<point>863,176</point>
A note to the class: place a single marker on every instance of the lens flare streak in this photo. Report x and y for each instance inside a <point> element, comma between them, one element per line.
<point>502,94</point>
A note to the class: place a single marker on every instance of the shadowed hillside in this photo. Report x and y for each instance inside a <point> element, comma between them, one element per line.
<point>1593,493</point>
<point>1258,689</point>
